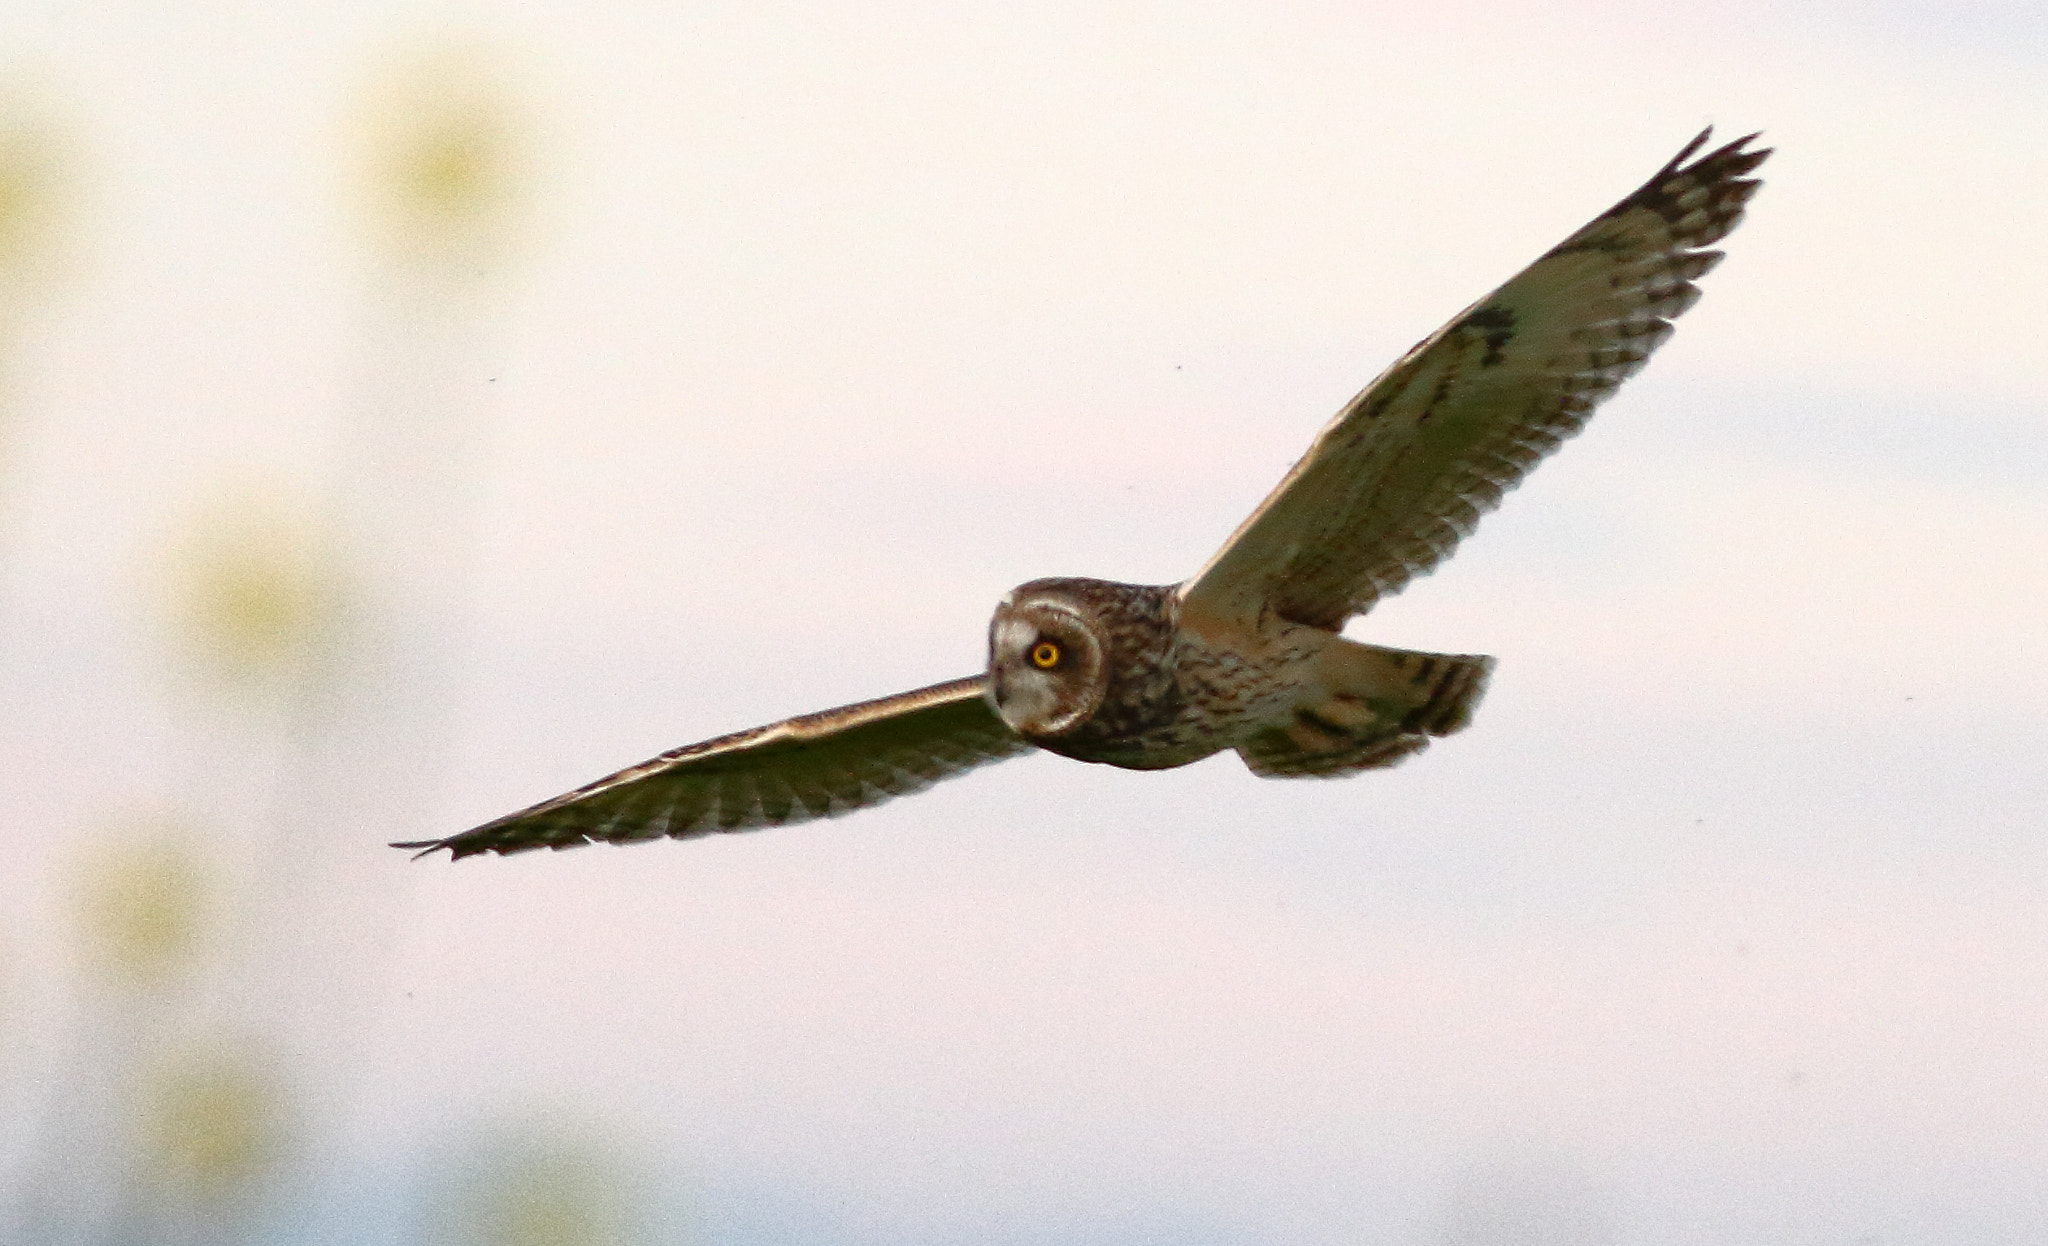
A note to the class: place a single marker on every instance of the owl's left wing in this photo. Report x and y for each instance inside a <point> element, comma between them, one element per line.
<point>812,766</point>
<point>1403,473</point>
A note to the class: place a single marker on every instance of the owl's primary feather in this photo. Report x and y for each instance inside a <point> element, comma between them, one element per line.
<point>1245,655</point>
<point>1405,470</point>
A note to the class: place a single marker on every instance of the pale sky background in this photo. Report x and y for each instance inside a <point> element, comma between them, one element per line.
<point>817,328</point>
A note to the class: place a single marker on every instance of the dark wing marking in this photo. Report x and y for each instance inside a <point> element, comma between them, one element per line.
<point>813,766</point>
<point>1391,485</point>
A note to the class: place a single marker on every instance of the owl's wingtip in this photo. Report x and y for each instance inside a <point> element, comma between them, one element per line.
<point>427,847</point>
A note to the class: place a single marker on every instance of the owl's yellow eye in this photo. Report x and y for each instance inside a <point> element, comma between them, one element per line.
<point>1045,655</point>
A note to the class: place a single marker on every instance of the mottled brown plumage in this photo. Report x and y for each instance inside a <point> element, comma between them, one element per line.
<point>1244,655</point>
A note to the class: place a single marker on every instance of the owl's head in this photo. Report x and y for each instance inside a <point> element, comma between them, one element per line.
<point>1047,660</point>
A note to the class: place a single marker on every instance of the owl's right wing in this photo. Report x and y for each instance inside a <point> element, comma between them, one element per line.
<point>1404,472</point>
<point>812,766</point>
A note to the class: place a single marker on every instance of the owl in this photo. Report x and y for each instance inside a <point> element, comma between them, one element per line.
<point>1246,653</point>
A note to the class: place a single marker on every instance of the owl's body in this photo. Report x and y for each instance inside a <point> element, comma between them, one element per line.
<point>1245,654</point>
<point>1292,698</point>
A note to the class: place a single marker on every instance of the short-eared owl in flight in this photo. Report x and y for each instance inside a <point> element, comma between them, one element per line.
<point>1245,654</point>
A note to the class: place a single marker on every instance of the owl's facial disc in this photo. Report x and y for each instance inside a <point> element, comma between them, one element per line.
<point>1045,666</point>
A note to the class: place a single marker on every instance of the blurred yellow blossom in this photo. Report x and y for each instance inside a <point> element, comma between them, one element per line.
<point>33,180</point>
<point>546,1187</point>
<point>144,908</point>
<point>34,173</point>
<point>446,158</point>
<point>255,588</point>
<point>211,1127</point>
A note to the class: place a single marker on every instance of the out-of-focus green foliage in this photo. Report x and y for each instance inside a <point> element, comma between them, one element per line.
<point>178,1107</point>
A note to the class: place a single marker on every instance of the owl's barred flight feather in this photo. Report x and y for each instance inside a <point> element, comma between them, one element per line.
<point>1246,654</point>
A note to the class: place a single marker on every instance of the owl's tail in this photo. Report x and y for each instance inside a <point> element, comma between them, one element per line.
<point>1369,708</point>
